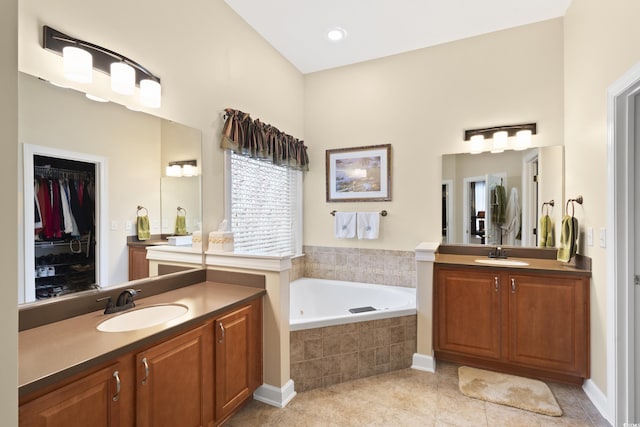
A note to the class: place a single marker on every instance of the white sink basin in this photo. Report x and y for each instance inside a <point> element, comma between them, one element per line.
<point>142,318</point>
<point>502,262</point>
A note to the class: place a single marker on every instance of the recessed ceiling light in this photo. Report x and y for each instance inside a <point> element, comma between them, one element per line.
<point>336,34</point>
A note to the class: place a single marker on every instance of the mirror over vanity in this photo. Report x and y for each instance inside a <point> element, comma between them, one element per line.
<point>130,151</point>
<point>475,210</point>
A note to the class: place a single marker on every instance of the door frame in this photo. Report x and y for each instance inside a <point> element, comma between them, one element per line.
<point>528,189</point>
<point>620,253</point>
<point>448,183</point>
<point>466,218</point>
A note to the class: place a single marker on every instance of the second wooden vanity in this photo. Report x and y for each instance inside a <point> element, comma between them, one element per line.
<point>528,320</point>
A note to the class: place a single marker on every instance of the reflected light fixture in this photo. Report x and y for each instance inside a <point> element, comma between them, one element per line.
<point>182,168</point>
<point>80,58</point>
<point>77,64</point>
<point>477,144</point>
<point>500,136</point>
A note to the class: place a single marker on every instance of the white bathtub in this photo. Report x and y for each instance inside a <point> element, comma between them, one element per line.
<point>316,303</point>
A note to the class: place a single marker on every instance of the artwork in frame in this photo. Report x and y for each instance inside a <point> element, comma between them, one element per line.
<point>360,174</point>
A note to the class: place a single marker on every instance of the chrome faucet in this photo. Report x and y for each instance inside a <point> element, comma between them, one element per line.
<point>124,301</point>
<point>499,252</point>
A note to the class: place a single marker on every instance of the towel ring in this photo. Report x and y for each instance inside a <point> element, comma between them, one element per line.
<point>545,206</point>
<point>577,200</point>
<point>183,210</point>
<point>140,208</point>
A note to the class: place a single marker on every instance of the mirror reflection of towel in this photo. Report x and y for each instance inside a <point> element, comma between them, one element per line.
<point>345,225</point>
<point>144,232</point>
<point>181,225</point>
<point>368,225</point>
<point>547,232</point>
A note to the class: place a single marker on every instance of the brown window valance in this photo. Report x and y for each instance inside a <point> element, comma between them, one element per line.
<point>262,141</point>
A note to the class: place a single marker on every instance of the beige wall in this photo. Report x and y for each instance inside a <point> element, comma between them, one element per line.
<point>9,215</point>
<point>601,44</point>
<point>209,61</point>
<point>130,142</point>
<point>421,102</point>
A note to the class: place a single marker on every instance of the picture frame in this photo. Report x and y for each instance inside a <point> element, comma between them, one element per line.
<point>359,174</point>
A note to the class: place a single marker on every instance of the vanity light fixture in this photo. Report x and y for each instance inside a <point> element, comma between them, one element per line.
<point>95,98</point>
<point>182,168</point>
<point>500,136</point>
<point>81,57</point>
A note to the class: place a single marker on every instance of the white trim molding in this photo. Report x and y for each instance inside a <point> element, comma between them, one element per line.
<point>184,254</point>
<point>426,251</point>
<point>248,261</point>
<point>596,396</point>
<point>620,292</point>
<point>423,362</point>
<point>275,396</point>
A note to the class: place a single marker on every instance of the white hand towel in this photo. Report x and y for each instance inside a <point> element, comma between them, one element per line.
<point>345,223</point>
<point>368,225</point>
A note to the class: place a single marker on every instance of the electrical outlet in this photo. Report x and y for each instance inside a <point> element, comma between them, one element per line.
<point>589,236</point>
<point>114,225</point>
<point>128,226</point>
<point>603,237</point>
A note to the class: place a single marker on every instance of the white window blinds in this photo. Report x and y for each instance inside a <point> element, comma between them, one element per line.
<point>265,207</point>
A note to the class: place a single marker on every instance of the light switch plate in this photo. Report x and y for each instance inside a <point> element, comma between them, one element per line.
<point>589,236</point>
<point>603,237</point>
<point>114,225</point>
<point>128,226</point>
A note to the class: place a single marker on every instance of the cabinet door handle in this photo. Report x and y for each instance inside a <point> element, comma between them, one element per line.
<point>116,396</point>
<point>496,282</point>
<point>146,370</point>
<point>513,286</point>
<point>221,333</point>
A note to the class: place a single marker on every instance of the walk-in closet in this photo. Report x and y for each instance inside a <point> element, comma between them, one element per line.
<point>63,226</point>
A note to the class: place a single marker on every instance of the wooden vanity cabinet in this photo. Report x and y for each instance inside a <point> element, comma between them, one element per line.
<point>238,358</point>
<point>138,263</point>
<point>174,381</point>
<point>91,400</point>
<point>527,323</point>
<point>185,380</point>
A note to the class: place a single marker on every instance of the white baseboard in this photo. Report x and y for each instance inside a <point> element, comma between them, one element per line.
<point>597,397</point>
<point>422,362</point>
<point>275,396</point>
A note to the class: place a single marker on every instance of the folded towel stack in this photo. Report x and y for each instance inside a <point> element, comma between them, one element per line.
<point>568,236</point>
<point>345,225</point>
<point>547,232</point>
<point>144,231</point>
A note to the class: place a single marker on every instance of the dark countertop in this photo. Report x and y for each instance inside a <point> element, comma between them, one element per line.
<point>55,351</point>
<point>535,264</point>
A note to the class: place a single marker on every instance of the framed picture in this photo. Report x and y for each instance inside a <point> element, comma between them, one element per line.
<point>361,174</point>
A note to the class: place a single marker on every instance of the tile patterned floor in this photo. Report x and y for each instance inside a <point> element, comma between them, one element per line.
<point>412,398</point>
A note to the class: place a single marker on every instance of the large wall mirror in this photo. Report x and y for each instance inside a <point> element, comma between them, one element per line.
<point>498,198</point>
<point>131,150</point>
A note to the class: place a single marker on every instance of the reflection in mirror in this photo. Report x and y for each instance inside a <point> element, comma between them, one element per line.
<point>497,199</point>
<point>130,150</point>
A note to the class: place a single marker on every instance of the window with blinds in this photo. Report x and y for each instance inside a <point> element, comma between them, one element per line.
<point>266,215</point>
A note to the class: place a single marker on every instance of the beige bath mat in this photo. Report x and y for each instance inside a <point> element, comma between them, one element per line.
<point>523,393</point>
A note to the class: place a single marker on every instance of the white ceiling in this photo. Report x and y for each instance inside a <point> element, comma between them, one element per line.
<point>379,28</point>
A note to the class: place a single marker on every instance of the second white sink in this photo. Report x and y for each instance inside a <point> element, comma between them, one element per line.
<point>142,318</point>
<point>502,262</point>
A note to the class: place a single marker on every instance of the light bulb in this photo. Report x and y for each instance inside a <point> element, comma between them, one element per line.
<point>77,64</point>
<point>523,140</point>
<point>477,144</point>
<point>150,93</point>
<point>123,78</point>
<point>500,140</point>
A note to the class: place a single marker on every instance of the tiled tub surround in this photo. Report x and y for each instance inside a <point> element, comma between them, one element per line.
<point>378,266</point>
<point>325,356</point>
